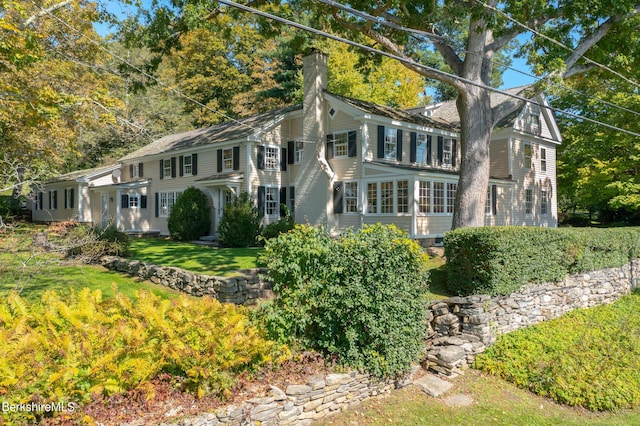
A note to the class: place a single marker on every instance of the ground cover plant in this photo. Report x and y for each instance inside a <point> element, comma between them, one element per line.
<point>193,257</point>
<point>359,298</point>
<point>588,358</point>
<point>67,347</point>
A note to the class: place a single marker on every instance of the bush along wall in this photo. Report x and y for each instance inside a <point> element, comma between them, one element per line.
<point>500,260</point>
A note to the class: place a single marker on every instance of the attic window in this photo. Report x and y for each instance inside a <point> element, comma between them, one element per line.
<point>332,112</point>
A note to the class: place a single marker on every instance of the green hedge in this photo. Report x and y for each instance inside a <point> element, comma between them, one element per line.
<point>500,260</point>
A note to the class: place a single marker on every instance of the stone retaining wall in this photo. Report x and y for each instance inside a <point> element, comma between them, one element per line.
<point>320,397</point>
<point>462,327</point>
<point>246,289</point>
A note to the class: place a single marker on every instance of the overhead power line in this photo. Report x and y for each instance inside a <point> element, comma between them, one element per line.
<point>415,32</point>
<point>415,64</point>
<point>556,42</point>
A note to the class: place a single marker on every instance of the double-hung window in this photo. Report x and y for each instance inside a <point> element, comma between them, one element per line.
<point>403,196</point>
<point>227,159</point>
<point>134,201</point>
<point>272,158</point>
<point>447,152</point>
<point>166,165</point>
<point>543,159</point>
<point>350,197</point>
<point>299,151</point>
<point>340,144</point>
<point>372,197</point>
<point>187,165</point>
<point>438,197</point>
<point>544,202</point>
<point>390,143</point>
<point>424,196</point>
<point>166,200</point>
<point>271,201</point>
<point>422,148</point>
<point>488,205</point>
<point>528,201</point>
<point>527,155</point>
<point>386,197</point>
<point>452,188</point>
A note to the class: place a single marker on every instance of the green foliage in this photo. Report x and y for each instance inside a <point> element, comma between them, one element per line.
<point>91,242</point>
<point>190,217</point>
<point>500,260</point>
<point>241,222</point>
<point>359,298</point>
<point>283,225</point>
<point>588,358</point>
<point>67,347</point>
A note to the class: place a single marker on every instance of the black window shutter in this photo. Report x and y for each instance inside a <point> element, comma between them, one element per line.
<point>380,141</point>
<point>72,196</point>
<point>454,152</point>
<point>283,200</point>
<point>329,148</point>
<point>429,149</point>
<point>261,158</point>
<point>219,154</point>
<point>353,150</point>
<point>124,201</point>
<point>50,197</point>
<point>157,204</point>
<point>236,158</point>
<point>291,146</point>
<point>440,149</point>
<point>140,172</point>
<point>161,169</point>
<point>173,167</point>
<point>413,137</point>
<point>283,161</point>
<point>261,197</point>
<point>143,201</point>
<point>399,145</point>
<point>130,170</point>
<point>494,199</point>
<point>337,197</point>
<point>194,164</point>
<point>65,199</point>
<point>181,165</point>
<point>292,197</point>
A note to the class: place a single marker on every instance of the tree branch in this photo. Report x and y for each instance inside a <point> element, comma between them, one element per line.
<point>43,12</point>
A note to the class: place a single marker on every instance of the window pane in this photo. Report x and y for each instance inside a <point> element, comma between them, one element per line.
<point>271,201</point>
<point>372,198</point>
<point>340,145</point>
<point>227,159</point>
<point>527,156</point>
<point>403,196</point>
<point>421,149</point>
<point>438,197</point>
<point>299,151</point>
<point>452,188</point>
<point>351,197</point>
<point>447,152</point>
<point>386,197</point>
<point>424,196</point>
<point>271,158</point>
<point>390,141</point>
<point>528,207</point>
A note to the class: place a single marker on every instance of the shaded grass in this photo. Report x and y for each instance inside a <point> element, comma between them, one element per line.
<point>496,402</point>
<point>195,258</point>
<point>437,279</point>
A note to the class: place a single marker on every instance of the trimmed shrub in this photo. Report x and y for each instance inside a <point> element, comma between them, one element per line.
<point>190,216</point>
<point>67,347</point>
<point>359,298</point>
<point>587,358</point>
<point>282,226</point>
<point>241,222</point>
<point>500,260</point>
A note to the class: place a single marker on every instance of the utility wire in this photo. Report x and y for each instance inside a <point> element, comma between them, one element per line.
<point>415,64</point>
<point>556,42</point>
<point>414,32</point>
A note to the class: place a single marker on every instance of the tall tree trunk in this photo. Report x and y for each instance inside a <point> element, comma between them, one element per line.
<point>476,120</point>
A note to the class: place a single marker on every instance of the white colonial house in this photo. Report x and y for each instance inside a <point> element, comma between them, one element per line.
<point>333,160</point>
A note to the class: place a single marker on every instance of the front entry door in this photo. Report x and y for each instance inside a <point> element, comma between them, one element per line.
<point>104,210</point>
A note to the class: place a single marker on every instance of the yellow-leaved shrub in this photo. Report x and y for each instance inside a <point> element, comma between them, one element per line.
<point>67,347</point>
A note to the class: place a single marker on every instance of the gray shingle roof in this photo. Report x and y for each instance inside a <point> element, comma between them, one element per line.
<point>230,130</point>
<point>72,176</point>
<point>397,114</point>
<point>448,112</point>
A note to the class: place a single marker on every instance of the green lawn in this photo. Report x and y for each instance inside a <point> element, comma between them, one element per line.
<point>192,257</point>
